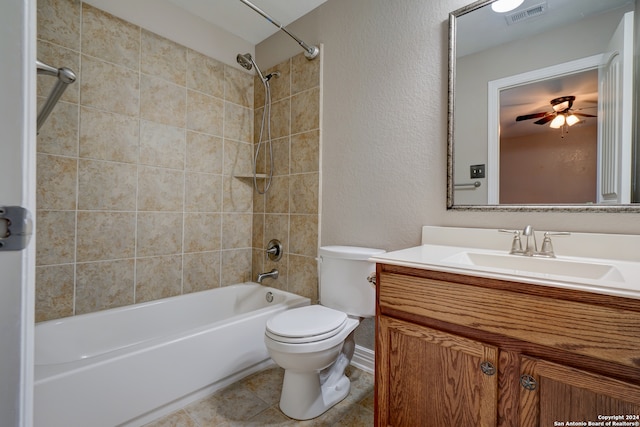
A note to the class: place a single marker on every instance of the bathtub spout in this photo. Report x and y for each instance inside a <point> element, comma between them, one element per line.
<point>261,276</point>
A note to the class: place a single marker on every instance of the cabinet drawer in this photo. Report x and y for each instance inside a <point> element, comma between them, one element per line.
<point>605,333</point>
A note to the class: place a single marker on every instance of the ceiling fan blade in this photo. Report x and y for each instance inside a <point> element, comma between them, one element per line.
<point>530,116</point>
<point>546,119</point>
<point>584,115</point>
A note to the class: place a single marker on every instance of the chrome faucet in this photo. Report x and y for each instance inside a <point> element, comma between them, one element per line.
<point>273,274</point>
<point>530,247</point>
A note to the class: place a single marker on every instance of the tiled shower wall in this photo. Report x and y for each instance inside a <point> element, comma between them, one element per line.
<point>136,195</point>
<point>289,211</point>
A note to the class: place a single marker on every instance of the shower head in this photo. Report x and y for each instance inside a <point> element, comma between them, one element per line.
<point>247,62</point>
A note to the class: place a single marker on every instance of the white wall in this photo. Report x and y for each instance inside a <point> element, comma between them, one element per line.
<point>384,125</point>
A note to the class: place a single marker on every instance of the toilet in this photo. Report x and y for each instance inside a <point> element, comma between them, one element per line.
<point>314,344</point>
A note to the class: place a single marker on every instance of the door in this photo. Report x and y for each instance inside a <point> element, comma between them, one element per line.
<point>615,116</point>
<point>426,377</point>
<point>17,188</point>
<point>553,395</point>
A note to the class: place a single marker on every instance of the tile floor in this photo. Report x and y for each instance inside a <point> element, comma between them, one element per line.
<point>253,401</point>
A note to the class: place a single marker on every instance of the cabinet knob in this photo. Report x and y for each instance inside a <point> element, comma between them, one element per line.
<point>528,382</point>
<point>487,368</point>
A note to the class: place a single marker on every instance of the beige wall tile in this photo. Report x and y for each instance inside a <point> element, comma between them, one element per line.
<point>109,38</point>
<point>106,185</point>
<point>56,237</point>
<point>238,87</point>
<point>238,122</point>
<point>163,58</point>
<point>109,87</point>
<point>162,101</point>
<point>160,189</point>
<point>305,152</point>
<point>158,277</point>
<point>280,119</point>
<point>203,192</point>
<point>237,194</point>
<point>236,231</point>
<point>162,145</point>
<point>236,266</point>
<point>276,226</point>
<point>304,193</point>
<point>304,235</point>
<point>201,271</point>
<point>202,232</point>
<point>105,235</point>
<point>280,156</point>
<point>58,57</point>
<point>56,182</point>
<point>205,74</point>
<point>103,285</point>
<point>303,276</point>
<point>204,153</point>
<point>109,136</point>
<point>305,74</point>
<point>305,111</point>
<point>54,292</point>
<point>277,199</point>
<point>237,158</point>
<point>257,233</point>
<point>205,113</point>
<point>59,22</point>
<point>59,134</point>
<point>159,233</point>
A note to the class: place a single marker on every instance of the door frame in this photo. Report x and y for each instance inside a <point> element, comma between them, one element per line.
<point>17,187</point>
<point>493,116</point>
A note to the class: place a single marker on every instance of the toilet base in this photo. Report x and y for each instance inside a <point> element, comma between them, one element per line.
<point>303,397</point>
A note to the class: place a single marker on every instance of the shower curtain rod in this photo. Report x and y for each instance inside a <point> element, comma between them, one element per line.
<point>310,51</point>
<point>65,77</point>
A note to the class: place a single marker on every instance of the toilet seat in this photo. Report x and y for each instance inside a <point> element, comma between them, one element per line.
<point>306,324</point>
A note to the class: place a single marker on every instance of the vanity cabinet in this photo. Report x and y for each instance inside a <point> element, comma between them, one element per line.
<point>458,350</point>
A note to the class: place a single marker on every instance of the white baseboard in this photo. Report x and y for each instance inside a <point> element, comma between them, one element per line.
<point>364,358</point>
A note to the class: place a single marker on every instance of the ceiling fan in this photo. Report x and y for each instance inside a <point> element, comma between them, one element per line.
<point>562,113</point>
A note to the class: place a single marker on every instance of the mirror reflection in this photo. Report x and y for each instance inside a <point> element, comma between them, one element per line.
<point>541,106</point>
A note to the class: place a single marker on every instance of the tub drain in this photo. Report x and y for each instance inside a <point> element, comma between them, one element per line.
<point>269,297</point>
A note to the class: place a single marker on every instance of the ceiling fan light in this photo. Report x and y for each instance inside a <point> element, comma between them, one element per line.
<point>502,6</point>
<point>557,122</point>
<point>561,107</point>
<point>572,120</point>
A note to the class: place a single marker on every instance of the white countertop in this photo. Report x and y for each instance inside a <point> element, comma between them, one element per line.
<point>612,271</point>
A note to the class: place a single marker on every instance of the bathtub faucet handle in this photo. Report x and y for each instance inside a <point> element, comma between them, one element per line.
<point>274,250</point>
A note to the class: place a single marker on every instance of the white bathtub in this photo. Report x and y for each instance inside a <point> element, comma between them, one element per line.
<point>130,364</point>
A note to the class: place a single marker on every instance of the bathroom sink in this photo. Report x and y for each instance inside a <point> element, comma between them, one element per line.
<point>537,265</point>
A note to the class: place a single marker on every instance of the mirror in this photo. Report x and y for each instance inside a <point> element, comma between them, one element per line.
<point>513,77</point>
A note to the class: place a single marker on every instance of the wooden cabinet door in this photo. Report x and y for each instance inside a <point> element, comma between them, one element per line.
<point>558,395</point>
<point>426,377</point>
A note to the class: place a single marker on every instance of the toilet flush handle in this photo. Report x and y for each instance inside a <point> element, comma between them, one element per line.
<point>371,278</point>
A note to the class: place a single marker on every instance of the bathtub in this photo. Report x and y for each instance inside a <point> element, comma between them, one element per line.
<point>128,365</point>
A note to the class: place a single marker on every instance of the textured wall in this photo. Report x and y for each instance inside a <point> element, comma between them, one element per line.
<point>136,195</point>
<point>385,125</point>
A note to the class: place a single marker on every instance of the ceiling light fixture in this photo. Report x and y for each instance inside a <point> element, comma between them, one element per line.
<point>502,6</point>
<point>572,120</point>
<point>558,121</point>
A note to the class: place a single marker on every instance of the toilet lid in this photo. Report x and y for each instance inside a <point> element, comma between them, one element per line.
<point>307,322</point>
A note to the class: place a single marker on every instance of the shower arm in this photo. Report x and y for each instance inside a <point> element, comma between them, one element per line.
<point>310,51</point>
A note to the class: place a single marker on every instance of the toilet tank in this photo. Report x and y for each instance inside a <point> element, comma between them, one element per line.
<point>343,279</point>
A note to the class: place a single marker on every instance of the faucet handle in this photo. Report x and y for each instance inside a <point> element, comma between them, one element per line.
<point>547,246</point>
<point>516,243</point>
